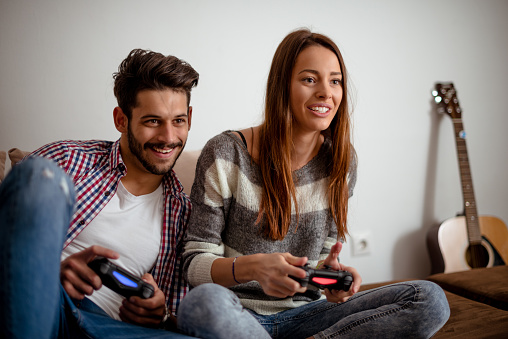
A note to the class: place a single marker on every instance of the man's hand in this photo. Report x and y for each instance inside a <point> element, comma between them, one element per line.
<point>335,296</point>
<point>146,312</point>
<point>76,277</point>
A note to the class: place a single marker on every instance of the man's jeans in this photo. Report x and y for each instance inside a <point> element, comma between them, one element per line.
<point>414,309</point>
<point>36,204</point>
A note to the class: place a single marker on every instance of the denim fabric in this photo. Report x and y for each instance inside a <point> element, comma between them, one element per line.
<point>415,309</point>
<point>36,205</point>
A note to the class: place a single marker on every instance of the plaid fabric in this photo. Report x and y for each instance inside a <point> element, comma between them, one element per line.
<point>96,168</point>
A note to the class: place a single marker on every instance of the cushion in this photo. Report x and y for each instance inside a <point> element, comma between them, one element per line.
<point>185,168</point>
<point>3,156</point>
<point>468,318</point>
<point>15,154</point>
<point>486,285</point>
<point>472,319</point>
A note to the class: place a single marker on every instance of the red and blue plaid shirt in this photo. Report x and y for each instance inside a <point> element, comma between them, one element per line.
<point>96,168</point>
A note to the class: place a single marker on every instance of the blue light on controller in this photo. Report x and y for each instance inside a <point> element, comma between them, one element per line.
<point>124,280</point>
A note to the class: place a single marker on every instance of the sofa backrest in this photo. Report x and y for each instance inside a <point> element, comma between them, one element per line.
<point>3,156</point>
<point>185,167</point>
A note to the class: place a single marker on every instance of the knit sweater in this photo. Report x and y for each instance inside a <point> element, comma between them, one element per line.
<point>226,197</point>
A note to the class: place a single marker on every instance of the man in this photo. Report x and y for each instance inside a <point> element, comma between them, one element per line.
<point>124,203</point>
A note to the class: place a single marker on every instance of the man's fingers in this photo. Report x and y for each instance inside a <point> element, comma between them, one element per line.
<point>94,251</point>
<point>77,278</point>
<point>71,291</point>
<point>133,313</point>
<point>81,277</point>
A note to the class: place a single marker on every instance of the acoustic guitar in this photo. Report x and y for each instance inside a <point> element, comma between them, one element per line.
<point>466,241</point>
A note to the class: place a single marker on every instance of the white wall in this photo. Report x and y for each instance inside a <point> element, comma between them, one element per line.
<point>57,57</point>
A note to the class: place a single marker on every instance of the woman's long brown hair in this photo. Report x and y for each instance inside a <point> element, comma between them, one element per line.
<point>275,162</point>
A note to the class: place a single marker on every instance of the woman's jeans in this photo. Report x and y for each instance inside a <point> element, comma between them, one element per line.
<point>414,309</point>
<point>36,204</point>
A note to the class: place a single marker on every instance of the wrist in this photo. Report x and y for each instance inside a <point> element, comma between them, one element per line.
<point>244,269</point>
<point>168,321</point>
<point>166,315</point>
<point>233,271</point>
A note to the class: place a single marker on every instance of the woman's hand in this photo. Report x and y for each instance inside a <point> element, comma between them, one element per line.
<point>272,271</point>
<point>145,312</point>
<point>335,296</point>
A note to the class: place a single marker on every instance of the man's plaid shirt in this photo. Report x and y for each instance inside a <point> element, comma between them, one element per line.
<point>96,168</point>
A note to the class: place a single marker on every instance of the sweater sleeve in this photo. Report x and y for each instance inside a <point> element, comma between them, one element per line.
<point>210,195</point>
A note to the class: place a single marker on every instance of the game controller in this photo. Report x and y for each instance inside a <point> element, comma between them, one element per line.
<point>325,278</point>
<point>120,280</point>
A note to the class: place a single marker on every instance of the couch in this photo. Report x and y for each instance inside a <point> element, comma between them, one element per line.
<point>186,160</point>
<point>478,302</point>
<point>478,298</point>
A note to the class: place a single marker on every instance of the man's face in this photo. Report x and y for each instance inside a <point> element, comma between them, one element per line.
<point>157,131</point>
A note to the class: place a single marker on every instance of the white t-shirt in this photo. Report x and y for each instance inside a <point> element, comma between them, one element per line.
<point>130,225</point>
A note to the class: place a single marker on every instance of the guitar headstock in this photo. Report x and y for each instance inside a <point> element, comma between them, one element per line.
<point>445,97</point>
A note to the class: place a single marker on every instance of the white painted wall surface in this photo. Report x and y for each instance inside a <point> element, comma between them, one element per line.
<point>57,58</point>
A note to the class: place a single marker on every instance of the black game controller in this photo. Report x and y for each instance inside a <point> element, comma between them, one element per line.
<point>119,280</point>
<point>325,278</point>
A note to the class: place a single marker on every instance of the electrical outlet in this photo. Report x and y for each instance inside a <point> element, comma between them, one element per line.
<point>362,243</point>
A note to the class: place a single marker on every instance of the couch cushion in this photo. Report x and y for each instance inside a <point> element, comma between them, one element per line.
<point>185,168</point>
<point>486,285</point>
<point>3,156</point>
<point>468,318</point>
<point>472,319</point>
<point>15,154</point>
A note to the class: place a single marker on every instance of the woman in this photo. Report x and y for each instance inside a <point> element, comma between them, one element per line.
<point>272,198</point>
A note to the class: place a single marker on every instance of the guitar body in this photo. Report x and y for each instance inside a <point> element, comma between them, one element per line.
<point>468,241</point>
<point>450,249</point>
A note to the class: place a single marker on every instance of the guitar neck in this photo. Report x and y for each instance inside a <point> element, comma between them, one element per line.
<point>471,213</point>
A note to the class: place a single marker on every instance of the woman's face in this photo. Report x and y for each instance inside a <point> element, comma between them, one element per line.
<point>316,89</point>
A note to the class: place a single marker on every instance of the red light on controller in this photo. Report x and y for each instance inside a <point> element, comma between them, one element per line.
<point>324,281</point>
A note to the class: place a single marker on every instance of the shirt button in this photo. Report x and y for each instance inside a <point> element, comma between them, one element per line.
<point>106,193</point>
<point>82,222</point>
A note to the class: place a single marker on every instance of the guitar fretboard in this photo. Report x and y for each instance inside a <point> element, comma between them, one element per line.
<point>471,214</point>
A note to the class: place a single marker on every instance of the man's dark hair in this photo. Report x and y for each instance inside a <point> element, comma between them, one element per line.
<point>147,70</point>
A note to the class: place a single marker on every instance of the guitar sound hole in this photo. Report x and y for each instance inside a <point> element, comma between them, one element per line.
<point>477,256</point>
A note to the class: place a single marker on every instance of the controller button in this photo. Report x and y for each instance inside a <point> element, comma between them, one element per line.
<point>103,268</point>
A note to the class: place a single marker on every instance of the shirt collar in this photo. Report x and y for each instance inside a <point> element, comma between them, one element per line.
<point>116,160</point>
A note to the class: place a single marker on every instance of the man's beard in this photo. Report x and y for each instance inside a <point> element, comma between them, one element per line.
<point>137,149</point>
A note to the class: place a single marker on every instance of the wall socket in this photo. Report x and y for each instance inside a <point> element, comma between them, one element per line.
<point>362,243</point>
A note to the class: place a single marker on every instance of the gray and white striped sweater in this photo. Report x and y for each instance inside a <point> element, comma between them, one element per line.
<point>225,203</point>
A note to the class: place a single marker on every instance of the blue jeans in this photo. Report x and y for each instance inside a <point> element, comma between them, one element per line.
<point>36,205</point>
<point>414,309</point>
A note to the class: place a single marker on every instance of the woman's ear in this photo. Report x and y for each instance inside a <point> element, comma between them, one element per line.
<point>121,120</point>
